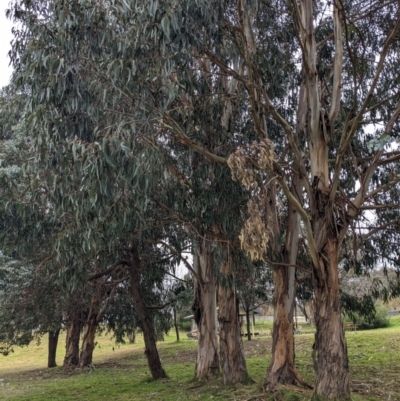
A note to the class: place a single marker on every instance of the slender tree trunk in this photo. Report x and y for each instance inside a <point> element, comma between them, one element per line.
<point>72,343</point>
<point>144,319</point>
<point>248,324</point>
<point>132,337</point>
<point>88,342</point>
<point>304,311</point>
<point>282,369</point>
<point>204,308</point>
<point>331,361</point>
<point>233,362</point>
<point>53,342</point>
<point>176,325</point>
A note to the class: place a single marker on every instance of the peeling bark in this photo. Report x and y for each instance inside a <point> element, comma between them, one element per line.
<point>332,366</point>
<point>204,308</point>
<point>233,362</point>
<point>71,358</point>
<point>88,342</point>
<point>282,369</point>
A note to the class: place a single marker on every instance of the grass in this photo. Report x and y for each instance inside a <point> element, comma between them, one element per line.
<point>121,371</point>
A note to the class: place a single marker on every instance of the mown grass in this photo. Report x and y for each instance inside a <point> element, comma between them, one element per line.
<point>121,372</point>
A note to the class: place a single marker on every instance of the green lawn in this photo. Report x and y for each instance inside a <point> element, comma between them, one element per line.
<point>121,372</point>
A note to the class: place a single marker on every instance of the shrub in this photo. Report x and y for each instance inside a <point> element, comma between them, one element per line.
<point>377,320</point>
<point>185,325</point>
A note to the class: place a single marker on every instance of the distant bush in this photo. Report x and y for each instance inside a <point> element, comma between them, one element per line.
<point>185,325</point>
<point>378,320</point>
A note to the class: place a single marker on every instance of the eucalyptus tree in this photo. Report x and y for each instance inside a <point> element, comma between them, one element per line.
<point>209,217</point>
<point>31,306</point>
<point>80,109</point>
<point>342,92</point>
<point>32,300</point>
<point>94,176</point>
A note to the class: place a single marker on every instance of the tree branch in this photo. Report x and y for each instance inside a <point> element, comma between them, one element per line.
<point>378,207</point>
<point>287,265</point>
<point>346,138</point>
<point>184,259</point>
<point>381,188</point>
<point>337,64</point>
<point>304,216</point>
<point>109,270</point>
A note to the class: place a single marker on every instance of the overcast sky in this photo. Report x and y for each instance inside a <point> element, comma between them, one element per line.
<point>5,39</point>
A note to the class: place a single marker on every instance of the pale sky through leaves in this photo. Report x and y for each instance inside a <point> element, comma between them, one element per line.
<point>5,39</point>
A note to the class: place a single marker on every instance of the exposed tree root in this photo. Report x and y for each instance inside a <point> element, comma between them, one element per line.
<point>300,379</point>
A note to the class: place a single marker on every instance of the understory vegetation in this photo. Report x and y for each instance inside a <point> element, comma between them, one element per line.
<point>120,371</point>
<point>379,320</point>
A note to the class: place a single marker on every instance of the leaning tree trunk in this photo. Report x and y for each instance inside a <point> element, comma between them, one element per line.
<point>144,319</point>
<point>88,342</point>
<point>72,343</point>
<point>332,366</point>
<point>205,309</point>
<point>233,362</point>
<point>53,341</point>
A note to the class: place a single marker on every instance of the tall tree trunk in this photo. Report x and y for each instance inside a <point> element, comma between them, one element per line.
<point>72,343</point>
<point>205,310</point>
<point>332,376</point>
<point>176,325</point>
<point>332,366</point>
<point>144,319</point>
<point>282,369</point>
<point>88,342</point>
<point>52,351</point>
<point>233,362</point>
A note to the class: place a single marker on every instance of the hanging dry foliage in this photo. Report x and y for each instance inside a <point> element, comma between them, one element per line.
<point>263,154</point>
<point>255,234</point>
<point>242,170</point>
<point>260,157</point>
